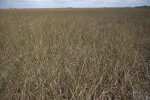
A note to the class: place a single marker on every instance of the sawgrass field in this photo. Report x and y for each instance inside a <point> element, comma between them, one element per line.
<point>75,54</point>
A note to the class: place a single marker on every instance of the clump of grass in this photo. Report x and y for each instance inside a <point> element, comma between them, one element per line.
<point>74,54</point>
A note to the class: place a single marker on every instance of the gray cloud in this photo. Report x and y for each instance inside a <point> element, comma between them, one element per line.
<point>70,3</point>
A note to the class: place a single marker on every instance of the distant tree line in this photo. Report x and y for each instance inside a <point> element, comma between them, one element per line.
<point>145,6</point>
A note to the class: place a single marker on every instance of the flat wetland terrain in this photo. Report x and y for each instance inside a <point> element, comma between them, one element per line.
<point>75,54</point>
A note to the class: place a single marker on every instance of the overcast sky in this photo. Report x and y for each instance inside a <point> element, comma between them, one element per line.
<point>70,3</point>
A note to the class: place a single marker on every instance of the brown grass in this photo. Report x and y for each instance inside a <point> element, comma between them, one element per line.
<point>74,54</point>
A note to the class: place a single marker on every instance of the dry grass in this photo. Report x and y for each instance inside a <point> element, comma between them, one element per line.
<point>74,54</point>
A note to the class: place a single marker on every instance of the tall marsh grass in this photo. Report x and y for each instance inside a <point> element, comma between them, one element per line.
<point>74,54</point>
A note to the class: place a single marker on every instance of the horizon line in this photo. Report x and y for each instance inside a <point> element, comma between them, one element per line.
<point>76,7</point>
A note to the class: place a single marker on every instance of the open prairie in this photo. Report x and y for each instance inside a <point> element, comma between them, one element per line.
<point>75,54</point>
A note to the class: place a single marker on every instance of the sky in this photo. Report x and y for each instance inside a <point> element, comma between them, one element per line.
<point>71,3</point>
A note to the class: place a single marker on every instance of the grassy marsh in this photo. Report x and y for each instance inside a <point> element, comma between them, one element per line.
<point>74,54</point>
